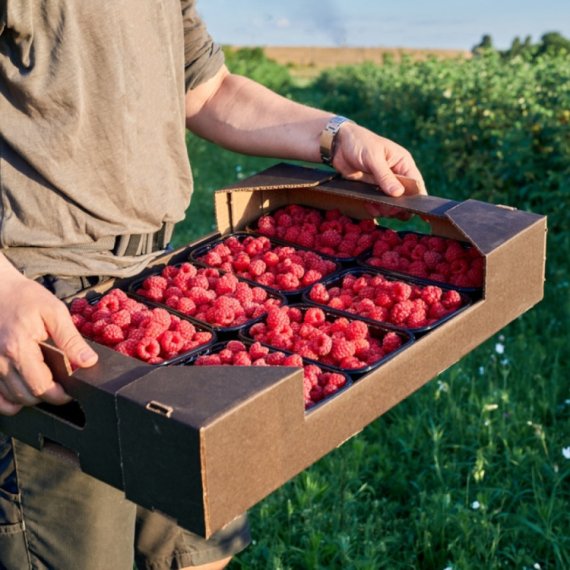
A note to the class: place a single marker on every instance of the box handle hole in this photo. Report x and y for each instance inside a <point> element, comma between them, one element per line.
<point>159,408</point>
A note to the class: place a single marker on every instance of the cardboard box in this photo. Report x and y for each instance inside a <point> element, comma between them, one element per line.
<point>192,442</point>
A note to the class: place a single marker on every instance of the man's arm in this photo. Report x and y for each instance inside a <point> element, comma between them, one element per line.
<point>31,314</point>
<point>241,115</point>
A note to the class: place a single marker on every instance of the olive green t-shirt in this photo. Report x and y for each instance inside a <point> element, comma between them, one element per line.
<point>92,127</point>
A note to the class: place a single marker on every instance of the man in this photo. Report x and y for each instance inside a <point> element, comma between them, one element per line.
<point>94,97</point>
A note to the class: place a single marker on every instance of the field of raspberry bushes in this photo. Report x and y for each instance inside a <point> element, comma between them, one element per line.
<point>472,471</point>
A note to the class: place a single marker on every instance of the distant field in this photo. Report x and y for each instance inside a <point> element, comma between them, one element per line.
<point>317,58</point>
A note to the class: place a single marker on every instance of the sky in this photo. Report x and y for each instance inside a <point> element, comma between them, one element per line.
<point>444,24</point>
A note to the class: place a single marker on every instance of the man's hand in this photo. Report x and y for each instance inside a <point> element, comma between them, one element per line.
<point>363,155</point>
<point>30,314</point>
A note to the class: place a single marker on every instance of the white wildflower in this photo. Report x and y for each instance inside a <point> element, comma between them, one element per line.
<point>475,504</point>
<point>499,348</point>
<point>566,452</point>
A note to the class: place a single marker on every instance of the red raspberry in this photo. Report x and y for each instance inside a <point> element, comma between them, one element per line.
<point>391,237</point>
<point>417,320</point>
<point>147,348</point>
<point>436,244</point>
<point>400,291</point>
<point>316,394</point>
<point>454,251</point>
<point>379,314</point>
<point>287,282</point>
<point>319,294</point>
<point>87,329</point>
<point>342,348</point>
<point>121,318</point>
<point>401,311</point>
<point>356,330</point>
<point>186,329</point>
<point>155,281</point>
<point>127,347</point>
<point>256,351</point>
<point>186,306</point>
<point>451,300</point>
<point>314,316</point>
<point>275,358</point>
<point>226,356</point>
<point>391,342</point>
<point>171,341</point>
<point>418,268</point>
<point>203,337</point>
<point>431,294</point>
<point>437,311</point>
<point>278,319</point>
<point>235,346</point>
<point>113,334</point>
<point>293,360</point>
<point>108,303</point>
<point>241,359</point>
<point>78,306</point>
<point>78,320</point>
<point>322,344</point>
<point>208,360</point>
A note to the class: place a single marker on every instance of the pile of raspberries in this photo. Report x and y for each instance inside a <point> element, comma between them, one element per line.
<point>388,301</point>
<point>332,234</point>
<point>132,328</point>
<point>429,257</point>
<point>221,300</point>
<point>335,341</point>
<point>317,385</point>
<point>279,267</point>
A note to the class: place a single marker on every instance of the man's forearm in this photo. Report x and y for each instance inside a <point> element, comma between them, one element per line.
<point>241,115</point>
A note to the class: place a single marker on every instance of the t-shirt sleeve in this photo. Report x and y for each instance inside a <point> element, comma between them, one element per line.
<point>203,57</point>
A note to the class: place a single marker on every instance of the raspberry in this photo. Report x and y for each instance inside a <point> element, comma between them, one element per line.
<point>186,329</point>
<point>278,319</point>
<point>319,294</point>
<point>293,360</point>
<point>436,244</point>
<point>121,318</point>
<point>342,348</point>
<point>256,351</point>
<point>78,306</point>
<point>451,300</point>
<point>147,348</point>
<point>113,334</point>
<point>127,347</point>
<point>379,314</point>
<point>453,252</point>
<point>431,294</point>
<point>437,311</point>
<point>155,281</point>
<point>241,359</point>
<point>356,330</point>
<point>391,342</point>
<point>417,320</point>
<point>275,358</point>
<point>235,346</point>
<point>322,344</point>
<point>418,268</point>
<point>401,311</point>
<point>400,291</point>
<point>186,306</point>
<point>203,337</point>
<point>314,316</point>
<point>78,320</point>
<point>316,394</point>
<point>108,303</point>
<point>87,329</point>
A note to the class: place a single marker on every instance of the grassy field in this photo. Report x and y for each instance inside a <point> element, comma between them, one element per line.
<point>473,470</point>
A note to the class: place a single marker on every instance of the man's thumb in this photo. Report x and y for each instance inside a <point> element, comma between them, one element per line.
<point>68,339</point>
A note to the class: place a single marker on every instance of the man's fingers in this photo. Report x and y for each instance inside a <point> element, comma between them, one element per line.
<point>67,338</point>
<point>8,408</point>
<point>387,181</point>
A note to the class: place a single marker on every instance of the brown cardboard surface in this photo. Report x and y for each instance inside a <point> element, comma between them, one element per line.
<point>204,444</point>
<point>212,453</point>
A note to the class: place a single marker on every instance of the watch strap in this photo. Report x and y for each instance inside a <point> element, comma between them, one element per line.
<point>328,138</point>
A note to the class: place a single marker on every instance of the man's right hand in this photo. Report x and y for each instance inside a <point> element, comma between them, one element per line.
<point>30,314</point>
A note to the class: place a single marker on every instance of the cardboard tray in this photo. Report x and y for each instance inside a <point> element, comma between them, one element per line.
<point>193,445</point>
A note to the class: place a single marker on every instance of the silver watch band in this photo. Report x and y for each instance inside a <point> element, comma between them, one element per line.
<point>328,138</point>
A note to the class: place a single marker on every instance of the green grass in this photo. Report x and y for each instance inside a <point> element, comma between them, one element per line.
<point>468,472</point>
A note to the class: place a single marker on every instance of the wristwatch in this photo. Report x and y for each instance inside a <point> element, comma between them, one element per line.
<point>328,138</point>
